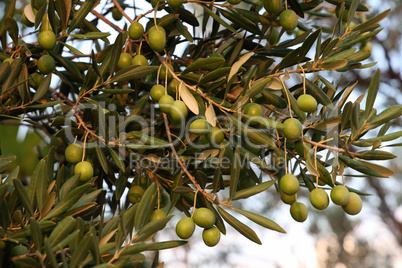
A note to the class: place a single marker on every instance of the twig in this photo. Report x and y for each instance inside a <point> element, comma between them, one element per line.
<point>122,11</point>
<point>100,16</point>
<point>181,163</point>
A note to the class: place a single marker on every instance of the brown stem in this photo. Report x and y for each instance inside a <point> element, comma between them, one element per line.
<point>122,11</point>
<point>181,163</point>
<point>100,16</point>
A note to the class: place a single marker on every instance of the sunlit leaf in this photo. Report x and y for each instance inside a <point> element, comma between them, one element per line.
<point>261,220</point>
<point>239,226</point>
<point>188,98</point>
<point>253,190</point>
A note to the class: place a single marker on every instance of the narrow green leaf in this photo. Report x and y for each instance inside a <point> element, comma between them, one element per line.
<point>68,65</point>
<point>318,93</point>
<point>188,16</point>
<point>49,253</point>
<point>5,69</point>
<point>261,220</point>
<point>360,167</point>
<point>86,199</point>
<point>253,190</point>
<point>110,226</point>
<point>296,7</point>
<point>95,64</point>
<point>370,142</point>
<point>116,159</point>
<point>183,30</point>
<point>236,66</point>
<point>154,246</point>
<point>72,49</point>
<point>308,43</point>
<point>133,72</point>
<point>23,196</point>
<point>253,158</point>
<point>210,115</point>
<point>26,262</point>
<point>334,65</point>
<point>209,64</point>
<point>67,201</point>
<point>183,190</point>
<point>39,15</point>
<point>372,21</point>
<point>340,56</point>
<point>96,35</point>
<point>116,90</point>
<point>147,139</point>
<point>372,93</point>
<point>352,9</point>
<point>63,12</point>
<point>273,99</point>
<point>346,114</point>
<point>3,190</point>
<point>145,207</point>
<point>70,184</point>
<point>129,217</point>
<point>9,12</point>
<point>360,39</point>
<point>257,137</point>
<point>63,229</point>
<point>43,88</point>
<point>385,116</point>
<point>63,243</point>
<point>51,13</point>
<point>81,252</point>
<point>257,87</point>
<point>80,15</point>
<point>241,21</point>
<point>12,28</point>
<point>360,55</point>
<point>234,172</point>
<point>376,155</point>
<point>5,160</point>
<point>239,226</point>
<point>219,20</point>
<point>264,122</point>
<point>16,67</point>
<point>152,228</point>
<point>384,171</point>
<point>105,265</point>
<point>310,163</point>
<point>218,73</point>
<point>42,184</point>
<point>94,248</point>
<point>45,105</point>
<point>36,234</point>
<point>188,98</point>
<point>293,104</point>
<point>102,159</point>
<point>140,105</point>
<point>115,55</point>
<point>355,116</point>
<point>167,20</point>
<point>324,174</point>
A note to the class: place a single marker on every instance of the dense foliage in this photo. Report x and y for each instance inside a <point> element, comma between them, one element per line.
<point>190,108</point>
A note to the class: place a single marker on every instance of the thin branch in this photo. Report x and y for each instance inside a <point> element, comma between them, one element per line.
<point>100,16</point>
<point>181,163</point>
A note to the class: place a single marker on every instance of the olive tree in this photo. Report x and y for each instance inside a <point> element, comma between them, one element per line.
<point>188,109</point>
